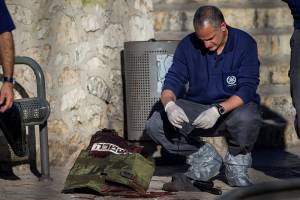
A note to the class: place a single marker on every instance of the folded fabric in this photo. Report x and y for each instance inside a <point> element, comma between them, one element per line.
<point>107,141</point>
<point>111,175</point>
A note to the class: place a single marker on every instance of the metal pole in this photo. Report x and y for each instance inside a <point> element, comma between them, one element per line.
<point>44,152</point>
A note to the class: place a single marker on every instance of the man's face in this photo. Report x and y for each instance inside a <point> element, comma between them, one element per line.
<point>211,37</point>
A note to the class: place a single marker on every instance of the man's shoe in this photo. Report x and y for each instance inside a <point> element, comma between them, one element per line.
<point>180,182</point>
<point>207,186</point>
<point>236,169</point>
<point>204,164</point>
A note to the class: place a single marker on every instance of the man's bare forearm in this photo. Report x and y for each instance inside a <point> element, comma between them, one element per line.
<point>7,53</point>
<point>166,96</point>
<point>232,103</point>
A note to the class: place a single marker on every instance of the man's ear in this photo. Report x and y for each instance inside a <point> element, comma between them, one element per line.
<point>223,26</point>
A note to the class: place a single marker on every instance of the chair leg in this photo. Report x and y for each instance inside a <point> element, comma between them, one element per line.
<point>32,151</point>
<point>44,153</point>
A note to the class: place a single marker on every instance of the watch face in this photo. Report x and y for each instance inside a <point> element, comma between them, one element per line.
<point>221,110</point>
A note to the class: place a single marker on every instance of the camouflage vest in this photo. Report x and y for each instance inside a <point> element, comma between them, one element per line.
<point>115,174</point>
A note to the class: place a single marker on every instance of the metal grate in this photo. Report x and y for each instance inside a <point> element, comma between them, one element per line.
<point>141,81</point>
<point>34,111</point>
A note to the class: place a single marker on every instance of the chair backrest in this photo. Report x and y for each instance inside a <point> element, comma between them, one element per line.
<point>36,110</point>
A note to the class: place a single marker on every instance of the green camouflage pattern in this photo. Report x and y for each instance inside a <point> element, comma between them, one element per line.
<point>132,170</point>
<point>86,173</point>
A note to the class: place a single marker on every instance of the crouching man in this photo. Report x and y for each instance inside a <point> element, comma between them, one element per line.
<point>217,67</point>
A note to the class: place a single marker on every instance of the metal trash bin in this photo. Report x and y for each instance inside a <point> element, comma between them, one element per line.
<point>145,66</point>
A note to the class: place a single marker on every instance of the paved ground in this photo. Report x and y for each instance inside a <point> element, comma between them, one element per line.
<point>267,166</point>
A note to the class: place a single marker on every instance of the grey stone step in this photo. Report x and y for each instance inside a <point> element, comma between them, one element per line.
<point>267,90</point>
<point>178,19</point>
<point>178,35</point>
<point>270,41</point>
<point>192,4</point>
<point>269,61</point>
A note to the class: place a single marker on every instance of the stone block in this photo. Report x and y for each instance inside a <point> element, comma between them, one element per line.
<point>280,104</point>
<point>280,44</point>
<point>290,137</point>
<point>273,18</point>
<point>22,14</point>
<point>71,99</point>
<point>42,29</point>
<point>99,88</point>
<point>58,128</point>
<point>264,75</point>
<point>273,45</point>
<point>279,74</point>
<point>280,17</point>
<point>139,29</point>
<point>242,18</point>
<point>176,21</point>
<point>66,31</point>
<point>92,22</point>
<point>119,10</point>
<point>39,53</point>
<point>69,76</point>
<point>263,44</point>
<point>92,115</point>
<point>169,21</point>
<point>115,36</point>
<point>160,21</point>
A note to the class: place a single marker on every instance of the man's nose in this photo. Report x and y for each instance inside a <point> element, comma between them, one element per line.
<point>207,44</point>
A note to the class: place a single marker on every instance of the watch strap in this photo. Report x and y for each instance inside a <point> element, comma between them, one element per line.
<point>9,79</point>
<point>220,109</point>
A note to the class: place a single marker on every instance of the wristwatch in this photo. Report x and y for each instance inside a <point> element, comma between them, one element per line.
<point>220,109</point>
<point>9,79</point>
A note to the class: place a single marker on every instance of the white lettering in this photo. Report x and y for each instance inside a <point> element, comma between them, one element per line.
<point>108,147</point>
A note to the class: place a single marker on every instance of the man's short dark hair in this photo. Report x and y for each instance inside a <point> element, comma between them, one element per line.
<point>212,14</point>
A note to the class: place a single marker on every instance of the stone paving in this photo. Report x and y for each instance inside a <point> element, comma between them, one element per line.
<point>268,166</point>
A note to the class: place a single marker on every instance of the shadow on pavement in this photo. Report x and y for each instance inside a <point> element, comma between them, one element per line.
<point>279,164</point>
<point>6,167</point>
<point>8,159</point>
<point>271,135</point>
<point>269,155</point>
<point>169,164</point>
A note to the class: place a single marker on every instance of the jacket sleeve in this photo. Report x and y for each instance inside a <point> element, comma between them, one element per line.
<point>7,24</point>
<point>248,74</point>
<point>177,75</point>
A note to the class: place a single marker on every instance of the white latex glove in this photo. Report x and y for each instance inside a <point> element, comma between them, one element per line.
<point>175,114</point>
<point>207,119</point>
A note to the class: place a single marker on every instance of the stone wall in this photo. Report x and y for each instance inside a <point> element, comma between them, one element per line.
<point>78,45</point>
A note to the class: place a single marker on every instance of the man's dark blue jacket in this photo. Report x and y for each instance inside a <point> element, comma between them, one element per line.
<point>6,22</point>
<point>295,9</point>
<point>213,78</point>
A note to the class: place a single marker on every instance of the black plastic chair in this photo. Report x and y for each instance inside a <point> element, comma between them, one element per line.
<point>31,111</point>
